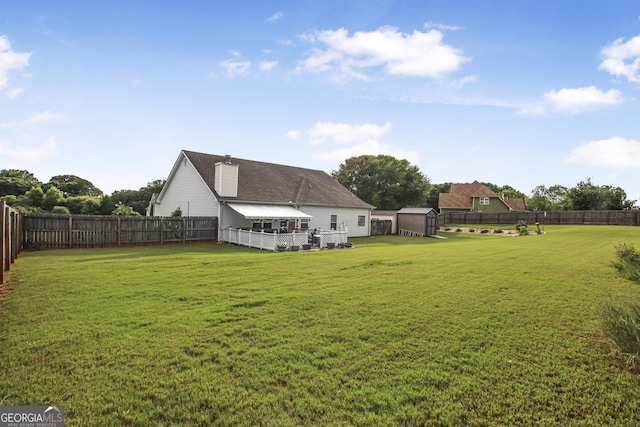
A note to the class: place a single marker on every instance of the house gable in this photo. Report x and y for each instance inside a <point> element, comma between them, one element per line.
<point>185,189</point>
<point>200,187</point>
<point>476,197</point>
<point>260,182</point>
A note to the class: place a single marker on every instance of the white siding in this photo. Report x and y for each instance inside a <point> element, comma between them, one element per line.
<point>226,182</point>
<point>230,218</point>
<point>347,219</point>
<point>186,190</point>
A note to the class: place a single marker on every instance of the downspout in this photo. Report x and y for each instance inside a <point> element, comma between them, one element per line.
<point>219,221</point>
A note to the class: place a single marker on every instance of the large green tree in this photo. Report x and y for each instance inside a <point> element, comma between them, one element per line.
<point>52,197</point>
<point>136,199</point>
<point>589,196</point>
<point>72,186</point>
<point>433,195</point>
<point>17,182</point>
<point>553,198</point>
<point>85,205</point>
<point>383,181</point>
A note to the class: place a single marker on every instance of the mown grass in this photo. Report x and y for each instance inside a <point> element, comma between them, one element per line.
<point>471,330</point>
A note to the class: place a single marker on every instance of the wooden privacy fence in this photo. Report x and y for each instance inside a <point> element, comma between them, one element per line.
<point>41,231</point>
<point>627,217</point>
<point>9,238</point>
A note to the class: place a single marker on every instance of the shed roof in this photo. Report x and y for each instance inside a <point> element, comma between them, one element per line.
<point>417,211</point>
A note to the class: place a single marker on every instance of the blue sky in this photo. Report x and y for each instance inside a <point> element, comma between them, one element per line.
<point>519,93</point>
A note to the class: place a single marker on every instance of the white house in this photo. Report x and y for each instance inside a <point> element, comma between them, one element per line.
<point>260,196</point>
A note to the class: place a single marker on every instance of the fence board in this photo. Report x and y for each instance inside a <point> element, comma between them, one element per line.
<point>626,217</point>
<point>86,231</point>
<point>9,239</point>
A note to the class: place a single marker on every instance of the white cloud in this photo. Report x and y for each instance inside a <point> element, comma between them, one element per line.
<point>275,17</point>
<point>439,26</point>
<point>576,100</point>
<point>352,140</point>
<point>293,134</point>
<point>420,54</point>
<point>24,154</point>
<point>344,133</point>
<point>615,152</point>
<point>573,101</point>
<point>372,147</point>
<point>38,118</point>
<point>622,58</point>
<point>44,117</point>
<point>236,67</point>
<point>10,60</point>
<point>13,93</point>
<point>268,65</point>
<point>460,83</point>
<point>24,143</point>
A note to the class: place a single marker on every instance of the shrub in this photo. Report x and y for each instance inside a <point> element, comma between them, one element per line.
<point>177,212</point>
<point>497,230</point>
<point>627,252</point>
<point>622,325</point>
<point>485,230</point>
<point>628,261</point>
<point>124,210</point>
<point>521,227</point>
<point>60,210</point>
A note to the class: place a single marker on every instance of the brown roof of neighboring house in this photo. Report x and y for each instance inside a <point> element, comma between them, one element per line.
<point>272,183</point>
<point>452,200</point>
<point>475,189</point>
<point>461,197</point>
<point>516,203</point>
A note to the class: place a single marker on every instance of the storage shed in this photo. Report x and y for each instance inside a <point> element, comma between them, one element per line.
<point>419,222</point>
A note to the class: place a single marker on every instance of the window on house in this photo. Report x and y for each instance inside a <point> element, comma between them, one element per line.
<point>334,222</point>
<point>260,224</point>
<point>361,220</point>
<point>484,200</point>
<point>304,224</point>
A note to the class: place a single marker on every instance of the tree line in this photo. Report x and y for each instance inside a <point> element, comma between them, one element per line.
<point>389,183</point>
<point>382,181</point>
<point>66,194</point>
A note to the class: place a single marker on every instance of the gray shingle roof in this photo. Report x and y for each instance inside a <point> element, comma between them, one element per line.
<point>272,183</point>
<point>416,211</point>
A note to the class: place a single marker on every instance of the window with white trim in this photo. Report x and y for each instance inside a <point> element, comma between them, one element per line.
<point>484,200</point>
<point>361,220</point>
<point>334,222</point>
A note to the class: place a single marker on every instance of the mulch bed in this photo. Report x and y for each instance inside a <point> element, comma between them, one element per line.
<point>478,230</point>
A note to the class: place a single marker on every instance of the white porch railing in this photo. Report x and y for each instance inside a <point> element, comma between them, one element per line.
<point>271,241</point>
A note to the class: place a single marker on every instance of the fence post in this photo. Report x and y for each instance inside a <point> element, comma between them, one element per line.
<point>3,236</point>
<point>119,229</point>
<point>13,232</point>
<point>6,224</point>
<point>70,232</point>
<point>184,229</point>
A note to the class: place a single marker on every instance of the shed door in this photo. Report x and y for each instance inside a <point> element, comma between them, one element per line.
<point>432,224</point>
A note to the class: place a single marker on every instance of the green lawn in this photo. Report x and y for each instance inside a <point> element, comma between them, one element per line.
<point>471,330</point>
